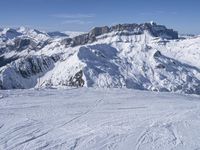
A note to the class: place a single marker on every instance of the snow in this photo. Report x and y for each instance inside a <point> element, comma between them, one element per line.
<point>33,33</point>
<point>97,118</point>
<point>186,50</point>
<point>114,59</point>
<point>94,119</point>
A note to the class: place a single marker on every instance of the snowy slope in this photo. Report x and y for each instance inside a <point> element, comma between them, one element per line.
<point>96,119</point>
<point>139,56</point>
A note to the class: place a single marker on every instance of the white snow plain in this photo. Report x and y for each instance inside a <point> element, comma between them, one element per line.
<point>98,119</point>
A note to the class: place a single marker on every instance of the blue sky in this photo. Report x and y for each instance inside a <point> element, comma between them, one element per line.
<point>81,15</point>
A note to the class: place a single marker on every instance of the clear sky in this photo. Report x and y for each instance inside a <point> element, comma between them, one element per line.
<point>81,15</point>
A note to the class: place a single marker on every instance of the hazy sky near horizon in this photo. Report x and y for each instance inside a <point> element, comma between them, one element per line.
<point>81,15</point>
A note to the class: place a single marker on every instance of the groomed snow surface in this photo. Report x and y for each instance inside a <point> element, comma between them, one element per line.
<point>98,119</point>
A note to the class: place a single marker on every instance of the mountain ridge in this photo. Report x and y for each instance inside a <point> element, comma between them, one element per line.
<point>139,56</point>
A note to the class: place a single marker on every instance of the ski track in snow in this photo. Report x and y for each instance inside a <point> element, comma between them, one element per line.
<point>83,119</point>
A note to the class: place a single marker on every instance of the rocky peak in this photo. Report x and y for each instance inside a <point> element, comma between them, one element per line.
<point>99,31</point>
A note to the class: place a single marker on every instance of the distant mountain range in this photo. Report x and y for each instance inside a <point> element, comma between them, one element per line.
<point>140,56</point>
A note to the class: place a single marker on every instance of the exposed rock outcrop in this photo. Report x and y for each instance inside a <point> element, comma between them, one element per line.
<point>77,80</point>
<point>152,28</point>
<point>23,73</point>
<point>99,31</point>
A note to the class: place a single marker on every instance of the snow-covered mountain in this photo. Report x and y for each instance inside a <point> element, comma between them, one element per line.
<point>140,56</point>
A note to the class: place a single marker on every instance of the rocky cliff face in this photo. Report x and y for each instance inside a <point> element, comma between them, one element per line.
<point>23,73</point>
<point>152,28</point>
<point>99,31</point>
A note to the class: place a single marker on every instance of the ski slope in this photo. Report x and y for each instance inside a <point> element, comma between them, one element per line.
<point>98,119</point>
